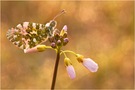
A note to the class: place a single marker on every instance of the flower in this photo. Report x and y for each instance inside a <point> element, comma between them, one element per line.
<point>69,68</point>
<point>38,48</point>
<point>59,38</point>
<point>63,31</point>
<point>71,71</point>
<point>88,63</point>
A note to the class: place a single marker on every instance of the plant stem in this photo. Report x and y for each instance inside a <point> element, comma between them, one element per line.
<point>55,69</point>
<point>68,52</point>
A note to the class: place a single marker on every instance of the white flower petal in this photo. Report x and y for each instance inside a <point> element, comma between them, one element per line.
<point>90,64</point>
<point>71,71</point>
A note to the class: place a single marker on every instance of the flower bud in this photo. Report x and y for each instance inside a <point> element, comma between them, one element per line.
<point>41,48</point>
<point>57,36</point>
<point>66,40</point>
<point>90,64</point>
<point>61,39</point>
<point>71,71</point>
<point>38,48</point>
<point>59,42</point>
<point>63,31</point>
<point>53,45</point>
<point>69,68</point>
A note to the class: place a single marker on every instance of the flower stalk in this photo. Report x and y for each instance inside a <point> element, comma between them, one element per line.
<point>55,69</point>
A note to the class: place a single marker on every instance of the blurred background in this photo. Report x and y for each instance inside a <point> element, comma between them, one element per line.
<point>100,30</point>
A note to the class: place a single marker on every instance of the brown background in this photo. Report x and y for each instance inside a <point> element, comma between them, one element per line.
<point>103,31</point>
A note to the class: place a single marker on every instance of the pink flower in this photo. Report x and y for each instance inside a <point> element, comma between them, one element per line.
<point>90,64</point>
<point>69,68</point>
<point>71,71</point>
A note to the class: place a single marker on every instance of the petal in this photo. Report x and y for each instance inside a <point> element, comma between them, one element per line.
<point>90,64</point>
<point>63,31</point>
<point>71,71</point>
<point>34,49</point>
<point>65,28</point>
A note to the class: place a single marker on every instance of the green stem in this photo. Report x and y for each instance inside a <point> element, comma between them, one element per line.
<point>63,53</point>
<point>68,52</point>
<point>55,69</point>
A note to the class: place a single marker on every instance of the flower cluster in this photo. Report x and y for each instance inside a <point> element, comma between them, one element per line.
<point>86,62</point>
<point>60,39</point>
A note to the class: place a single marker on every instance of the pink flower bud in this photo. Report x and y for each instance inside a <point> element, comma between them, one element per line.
<point>71,71</point>
<point>53,45</point>
<point>66,40</point>
<point>90,64</point>
<point>59,42</point>
<point>65,28</point>
<point>63,31</point>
